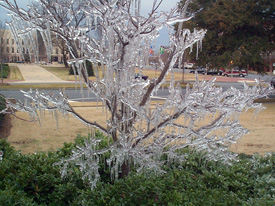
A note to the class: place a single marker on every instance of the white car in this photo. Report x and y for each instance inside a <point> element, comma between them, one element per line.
<point>188,65</point>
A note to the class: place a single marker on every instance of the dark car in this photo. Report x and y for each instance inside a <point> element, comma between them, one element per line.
<point>137,76</point>
<point>199,70</point>
<point>214,72</point>
<point>272,83</point>
<point>175,66</point>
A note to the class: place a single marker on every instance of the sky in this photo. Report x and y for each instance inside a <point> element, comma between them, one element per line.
<point>146,6</point>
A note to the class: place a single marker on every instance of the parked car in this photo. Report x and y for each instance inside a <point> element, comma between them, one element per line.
<point>43,63</point>
<point>137,76</point>
<point>272,83</point>
<point>188,65</point>
<point>214,72</point>
<point>175,66</point>
<point>199,70</point>
<point>235,72</point>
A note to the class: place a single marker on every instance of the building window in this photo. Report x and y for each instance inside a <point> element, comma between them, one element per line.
<point>8,41</point>
<point>56,50</point>
<point>12,41</point>
<point>8,50</point>
<point>12,50</point>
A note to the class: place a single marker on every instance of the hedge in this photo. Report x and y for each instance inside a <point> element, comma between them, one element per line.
<point>6,70</point>
<point>89,66</point>
<point>2,106</point>
<point>34,180</point>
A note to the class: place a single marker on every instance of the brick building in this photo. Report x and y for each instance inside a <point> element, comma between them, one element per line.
<point>10,53</point>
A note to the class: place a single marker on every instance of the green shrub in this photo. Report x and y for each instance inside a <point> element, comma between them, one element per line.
<point>89,66</point>
<point>6,70</point>
<point>34,177</point>
<point>2,106</point>
<point>34,180</point>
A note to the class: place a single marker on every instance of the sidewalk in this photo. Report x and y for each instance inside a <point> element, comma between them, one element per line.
<point>34,74</point>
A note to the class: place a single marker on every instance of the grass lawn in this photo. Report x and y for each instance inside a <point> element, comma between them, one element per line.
<point>31,136</point>
<point>177,75</point>
<point>39,86</point>
<point>15,74</point>
<point>63,73</point>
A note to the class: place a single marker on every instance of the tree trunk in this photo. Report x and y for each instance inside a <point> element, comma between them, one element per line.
<point>65,60</point>
<point>125,169</point>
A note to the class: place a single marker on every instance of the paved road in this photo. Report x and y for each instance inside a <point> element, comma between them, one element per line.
<point>73,95</point>
<point>35,74</point>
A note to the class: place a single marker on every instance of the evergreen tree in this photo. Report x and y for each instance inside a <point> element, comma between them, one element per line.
<point>237,31</point>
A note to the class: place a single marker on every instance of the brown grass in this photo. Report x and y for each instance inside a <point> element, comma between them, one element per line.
<point>39,86</point>
<point>30,137</point>
<point>15,73</point>
<point>178,75</point>
<point>63,73</point>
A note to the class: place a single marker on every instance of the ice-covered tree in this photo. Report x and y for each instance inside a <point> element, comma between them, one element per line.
<point>204,118</point>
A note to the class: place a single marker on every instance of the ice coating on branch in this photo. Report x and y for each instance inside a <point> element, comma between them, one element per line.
<point>114,34</point>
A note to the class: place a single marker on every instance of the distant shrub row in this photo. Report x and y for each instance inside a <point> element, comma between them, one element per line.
<point>33,180</point>
<point>89,66</point>
<point>6,70</point>
<point>2,106</point>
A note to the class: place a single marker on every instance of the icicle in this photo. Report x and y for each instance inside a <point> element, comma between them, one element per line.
<point>144,131</point>
<point>197,52</point>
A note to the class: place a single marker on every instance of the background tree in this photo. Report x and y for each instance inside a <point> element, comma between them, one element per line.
<point>140,134</point>
<point>61,44</point>
<point>2,41</point>
<point>4,50</point>
<point>238,31</point>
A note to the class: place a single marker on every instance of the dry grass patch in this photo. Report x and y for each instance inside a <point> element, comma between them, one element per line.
<point>40,86</point>
<point>15,73</point>
<point>261,138</point>
<point>177,75</point>
<point>60,71</point>
<point>30,137</point>
<point>63,73</point>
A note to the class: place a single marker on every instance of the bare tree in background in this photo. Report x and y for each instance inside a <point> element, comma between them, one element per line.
<point>61,44</point>
<point>204,118</point>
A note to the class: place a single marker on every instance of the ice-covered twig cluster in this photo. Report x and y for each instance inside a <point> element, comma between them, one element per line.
<point>116,35</point>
